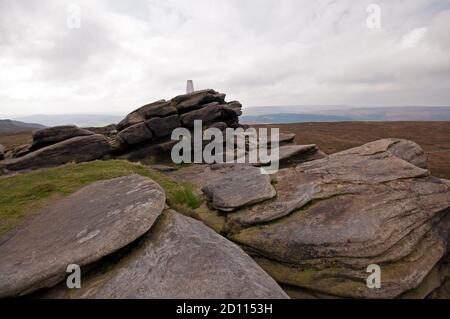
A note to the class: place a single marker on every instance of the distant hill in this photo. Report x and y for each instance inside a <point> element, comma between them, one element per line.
<point>11,126</point>
<point>299,114</point>
<point>275,114</point>
<point>297,109</point>
<point>407,113</point>
<point>291,118</point>
<point>81,120</point>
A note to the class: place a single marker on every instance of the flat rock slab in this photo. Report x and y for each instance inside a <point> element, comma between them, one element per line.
<point>77,149</point>
<point>163,168</point>
<point>178,258</point>
<point>242,185</point>
<point>283,138</point>
<point>80,229</point>
<point>406,150</point>
<point>335,216</point>
<point>295,154</point>
<point>341,173</point>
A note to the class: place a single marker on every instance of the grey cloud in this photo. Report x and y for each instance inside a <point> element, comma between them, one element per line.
<point>262,52</point>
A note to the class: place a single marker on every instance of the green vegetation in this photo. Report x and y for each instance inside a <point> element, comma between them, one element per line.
<point>22,195</point>
<point>186,196</point>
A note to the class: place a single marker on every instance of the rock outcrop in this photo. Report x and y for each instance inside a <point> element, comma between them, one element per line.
<point>314,226</point>
<point>58,145</point>
<point>143,130</point>
<point>163,127</point>
<point>143,133</point>
<point>195,100</point>
<point>178,258</point>
<point>18,151</point>
<point>135,134</point>
<point>156,109</point>
<point>2,152</point>
<point>128,245</point>
<point>80,229</point>
<point>333,217</point>
<point>77,149</point>
<point>242,186</point>
<point>56,134</point>
<point>295,154</point>
<point>108,130</point>
<point>283,138</point>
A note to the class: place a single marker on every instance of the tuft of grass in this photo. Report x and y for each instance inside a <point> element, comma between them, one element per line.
<point>185,196</point>
<point>23,195</point>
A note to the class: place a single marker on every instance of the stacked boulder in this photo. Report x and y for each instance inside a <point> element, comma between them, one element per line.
<point>153,123</point>
<point>18,151</point>
<point>59,145</point>
<point>142,133</point>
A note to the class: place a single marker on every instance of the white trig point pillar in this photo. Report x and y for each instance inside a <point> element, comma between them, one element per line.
<point>189,86</point>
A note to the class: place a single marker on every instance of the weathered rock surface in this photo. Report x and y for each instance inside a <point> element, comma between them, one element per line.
<point>2,152</point>
<point>163,168</point>
<point>195,100</point>
<point>296,154</point>
<point>162,117</point>
<point>233,109</point>
<point>108,130</point>
<point>162,127</point>
<point>219,125</point>
<point>19,151</point>
<point>136,134</point>
<point>242,186</point>
<point>439,282</point>
<point>53,135</point>
<point>404,149</point>
<point>335,216</point>
<point>160,108</point>
<point>178,258</point>
<point>289,154</point>
<point>158,151</point>
<point>77,149</point>
<point>208,114</point>
<point>80,229</point>
<point>407,150</point>
<point>283,138</point>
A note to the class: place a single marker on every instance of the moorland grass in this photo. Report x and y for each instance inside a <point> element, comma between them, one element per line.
<point>23,195</point>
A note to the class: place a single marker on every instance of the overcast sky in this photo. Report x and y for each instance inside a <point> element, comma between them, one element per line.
<point>260,52</point>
